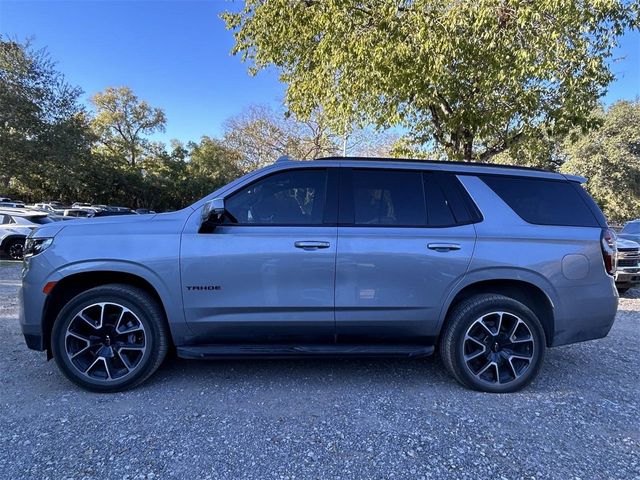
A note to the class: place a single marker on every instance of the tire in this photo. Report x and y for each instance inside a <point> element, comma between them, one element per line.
<point>110,338</point>
<point>623,290</point>
<point>493,343</point>
<point>15,249</point>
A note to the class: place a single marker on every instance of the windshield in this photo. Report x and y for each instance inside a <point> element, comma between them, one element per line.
<point>632,227</point>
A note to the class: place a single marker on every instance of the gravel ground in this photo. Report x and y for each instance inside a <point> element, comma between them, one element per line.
<point>323,418</point>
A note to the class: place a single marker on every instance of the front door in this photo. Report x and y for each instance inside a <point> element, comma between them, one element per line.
<point>268,274</point>
<point>401,247</point>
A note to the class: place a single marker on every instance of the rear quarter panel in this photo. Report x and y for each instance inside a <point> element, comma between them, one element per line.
<point>564,262</point>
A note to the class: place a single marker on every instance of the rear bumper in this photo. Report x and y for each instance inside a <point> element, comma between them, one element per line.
<point>586,313</point>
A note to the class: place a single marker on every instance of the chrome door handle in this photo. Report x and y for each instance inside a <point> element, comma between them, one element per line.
<point>443,247</point>
<point>311,245</point>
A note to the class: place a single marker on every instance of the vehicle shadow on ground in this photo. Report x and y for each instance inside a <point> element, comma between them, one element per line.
<point>565,367</point>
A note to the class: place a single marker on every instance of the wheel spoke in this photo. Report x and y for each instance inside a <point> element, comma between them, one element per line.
<point>130,346</point>
<point>473,356</point>
<point>80,352</point>
<point>78,336</point>
<point>124,360</point>
<point>88,321</point>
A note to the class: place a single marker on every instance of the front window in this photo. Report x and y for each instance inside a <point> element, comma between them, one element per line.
<point>294,197</point>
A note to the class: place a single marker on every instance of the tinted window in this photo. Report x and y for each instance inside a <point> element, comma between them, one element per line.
<point>40,220</point>
<point>295,197</point>
<point>387,197</point>
<point>438,209</point>
<point>5,219</point>
<point>546,202</point>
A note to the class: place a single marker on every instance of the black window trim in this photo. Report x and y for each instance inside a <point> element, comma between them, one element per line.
<point>346,207</point>
<point>331,189</point>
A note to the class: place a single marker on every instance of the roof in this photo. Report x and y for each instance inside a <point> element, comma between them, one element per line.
<point>428,162</point>
<point>453,166</point>
<point>21,212</point>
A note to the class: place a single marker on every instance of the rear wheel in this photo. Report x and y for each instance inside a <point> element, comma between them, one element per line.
<point>110,338</point>
<point>493,343</point>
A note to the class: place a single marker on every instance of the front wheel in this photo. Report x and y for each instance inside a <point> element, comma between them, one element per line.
<point>15,249</point>
<point>110,338</point>
<point>493,343</point>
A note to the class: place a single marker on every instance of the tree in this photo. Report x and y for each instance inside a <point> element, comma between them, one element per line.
<point>476,77</point>
<point>610,159</point>
<point>43,128</point>
<point>121,122</point>
<point>211,165</point>
<point>261,135</point>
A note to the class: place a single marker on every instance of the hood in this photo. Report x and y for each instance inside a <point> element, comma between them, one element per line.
<point>15,230</point>
<point>624,243</point>
<point>114,224</point>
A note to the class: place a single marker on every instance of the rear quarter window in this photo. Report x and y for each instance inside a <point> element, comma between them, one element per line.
<point>543,201</point>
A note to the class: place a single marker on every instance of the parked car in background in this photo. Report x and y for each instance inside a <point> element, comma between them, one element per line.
<point>24,217</point>
<point>77,212</point>
<point>12,238</point>
<point>372,257</point>
<point>15,225</point>
<point>628,265</point>
<point>12,204</point>
<point>56,208</point>
<point>631,231</point>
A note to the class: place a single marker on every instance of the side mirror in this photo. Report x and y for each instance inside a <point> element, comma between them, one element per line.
<point>212,214</point>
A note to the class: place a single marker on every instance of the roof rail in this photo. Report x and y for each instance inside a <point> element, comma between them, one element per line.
<point>437,162</point>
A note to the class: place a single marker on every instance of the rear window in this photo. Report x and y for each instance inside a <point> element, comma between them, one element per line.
<point>542,201</point>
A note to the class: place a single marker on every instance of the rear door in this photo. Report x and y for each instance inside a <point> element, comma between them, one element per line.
<point>404,239</point>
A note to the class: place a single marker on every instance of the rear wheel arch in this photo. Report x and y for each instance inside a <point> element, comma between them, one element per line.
<point>525,292</point>
<point>74,284</point>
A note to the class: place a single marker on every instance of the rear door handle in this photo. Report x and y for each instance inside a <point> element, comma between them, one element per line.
<point>311,245</point>
<point>443,247</point>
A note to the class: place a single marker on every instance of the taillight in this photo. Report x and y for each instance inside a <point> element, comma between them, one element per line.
<point>609,250</point>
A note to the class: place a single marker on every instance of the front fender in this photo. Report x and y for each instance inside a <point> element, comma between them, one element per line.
<point>167,285</point>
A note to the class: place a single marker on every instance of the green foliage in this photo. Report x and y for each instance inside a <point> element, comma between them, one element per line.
<point>121,122</point>
<point>43,129</point>
<point>476,77</point>
<point>610,159</point>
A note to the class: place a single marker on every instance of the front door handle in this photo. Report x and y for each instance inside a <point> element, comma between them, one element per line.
<point>443,247</point>
<point>311,245</point>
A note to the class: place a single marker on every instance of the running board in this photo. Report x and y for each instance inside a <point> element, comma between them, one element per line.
<point>264,351</point>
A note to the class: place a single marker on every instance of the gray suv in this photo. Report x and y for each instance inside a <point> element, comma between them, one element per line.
<point>339,256</point>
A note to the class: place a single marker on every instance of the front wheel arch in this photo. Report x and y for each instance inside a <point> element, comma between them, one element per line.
<point>72,285</point>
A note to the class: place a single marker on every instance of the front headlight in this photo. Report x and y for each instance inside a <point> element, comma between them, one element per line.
<point>34,246</point>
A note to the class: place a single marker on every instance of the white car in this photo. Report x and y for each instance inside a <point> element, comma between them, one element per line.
<point>15,225</point>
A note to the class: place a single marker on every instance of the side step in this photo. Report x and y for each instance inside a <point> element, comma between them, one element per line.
<point>266,351</point>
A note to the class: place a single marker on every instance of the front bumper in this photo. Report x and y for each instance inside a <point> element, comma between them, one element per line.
<point>628,277</point>
<point>32,301</point>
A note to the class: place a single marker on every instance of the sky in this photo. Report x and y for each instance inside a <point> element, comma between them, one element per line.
<point>176,55</point>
